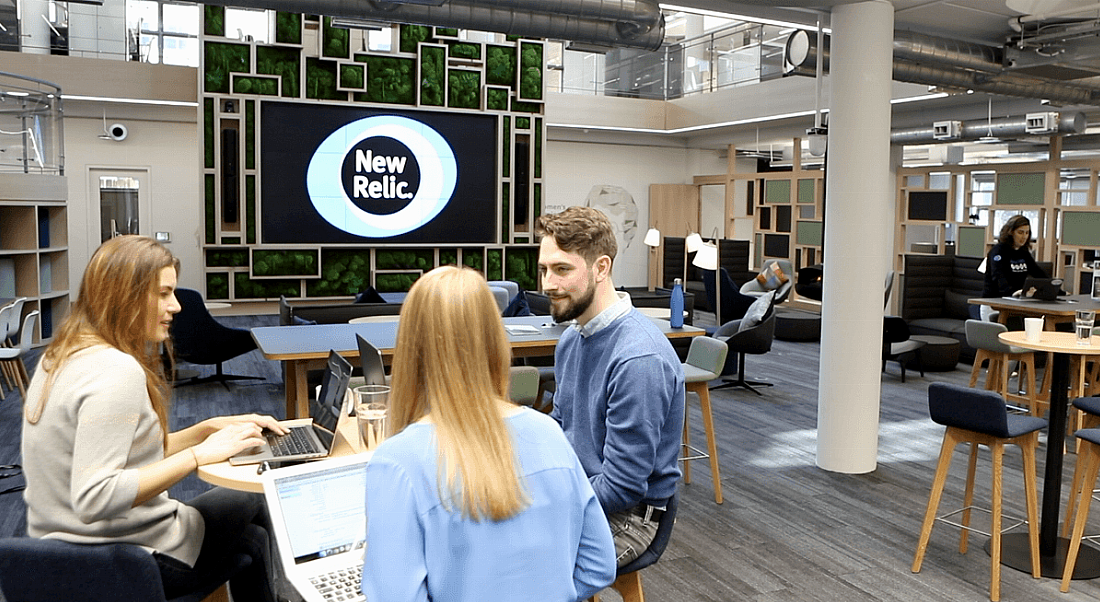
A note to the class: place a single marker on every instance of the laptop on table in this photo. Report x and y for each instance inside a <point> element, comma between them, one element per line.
<point>318,515</point>
<point>307,440</point>
<point>1042,289</point>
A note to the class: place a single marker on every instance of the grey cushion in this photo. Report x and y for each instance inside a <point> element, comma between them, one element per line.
<point>756,311</point>
<point>955,305</point>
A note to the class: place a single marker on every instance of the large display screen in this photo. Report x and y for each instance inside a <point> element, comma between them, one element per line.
<point>339,174</point>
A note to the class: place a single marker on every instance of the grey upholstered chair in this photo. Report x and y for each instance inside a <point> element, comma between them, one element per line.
<point>705,360</point>
<point>752,286</point>
<point>12,357</point>
<point>983,337</point>
<point>524,385</point>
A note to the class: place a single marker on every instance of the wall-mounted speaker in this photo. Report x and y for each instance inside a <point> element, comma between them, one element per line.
<point>230,177</point>
<point>117,132</point>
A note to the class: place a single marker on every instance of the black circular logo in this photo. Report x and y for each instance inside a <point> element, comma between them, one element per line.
<point>380,175</point>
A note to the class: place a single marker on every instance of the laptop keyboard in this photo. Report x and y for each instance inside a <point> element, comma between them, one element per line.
<point>294,442</point>
<point>341,585</point>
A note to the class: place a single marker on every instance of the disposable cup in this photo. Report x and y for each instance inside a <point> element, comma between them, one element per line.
<point>1033,329</point>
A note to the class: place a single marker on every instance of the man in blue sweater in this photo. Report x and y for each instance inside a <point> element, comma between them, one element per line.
<point>620,386</point>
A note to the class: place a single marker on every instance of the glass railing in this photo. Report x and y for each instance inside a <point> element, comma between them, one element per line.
<point>31,136</point>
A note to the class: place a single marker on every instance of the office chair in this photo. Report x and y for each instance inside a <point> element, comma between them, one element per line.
<point>200,339</point>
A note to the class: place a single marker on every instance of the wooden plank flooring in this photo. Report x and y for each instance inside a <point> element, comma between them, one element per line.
<point>787,530</point>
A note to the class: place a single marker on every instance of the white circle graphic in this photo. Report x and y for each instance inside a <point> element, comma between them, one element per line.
<point>438,176</point>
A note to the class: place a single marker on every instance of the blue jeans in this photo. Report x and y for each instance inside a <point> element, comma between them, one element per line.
<point>236,523</point>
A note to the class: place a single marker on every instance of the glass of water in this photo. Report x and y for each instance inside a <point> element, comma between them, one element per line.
<point>371,409</point>
<point>1083,325</point>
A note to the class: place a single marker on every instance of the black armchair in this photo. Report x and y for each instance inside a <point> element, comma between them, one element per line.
<point>734,302</point>
<point>897,346</point>
<point>200,339</point>
<point>756,340</point>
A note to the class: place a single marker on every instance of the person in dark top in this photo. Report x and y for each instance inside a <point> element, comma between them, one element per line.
<point>1009,262</point>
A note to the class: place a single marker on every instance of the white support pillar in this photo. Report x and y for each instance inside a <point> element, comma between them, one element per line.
<point>858,231</point>
<point>35,29</point>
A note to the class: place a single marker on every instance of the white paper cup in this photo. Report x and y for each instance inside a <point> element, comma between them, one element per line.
<point>1033,329</point>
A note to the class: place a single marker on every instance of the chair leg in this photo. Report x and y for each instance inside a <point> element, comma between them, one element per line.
<point>947,448</point>
<point>968,496</point>
<point>1092,465</point>
<point>712,447</point>
<point>1029,444</point>
<point>741,382</point>
<point>686,443</point>
<point>629,587</point>
<point>995,527</point>
<point>980,356</point>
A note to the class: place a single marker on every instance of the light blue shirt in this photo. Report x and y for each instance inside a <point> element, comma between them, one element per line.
<point>604,319</point>
<point>558,549</point>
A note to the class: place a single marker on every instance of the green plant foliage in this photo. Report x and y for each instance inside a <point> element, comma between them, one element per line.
<point>496,99</point>
<point>448,257</point>
<point>506,147</point>
<point>538,199</point>
<point>284,62</point>
<point>391,80</point>
<point>250,134</point>
<point>217,285</point>
<point>446,31</point>
<point>432,69</point>
<point>523,123</point>
<point>538,148</point>
<point>335,41</point>
<point>208,207</point>
<point>255,85</point>
<point>395,283</point>
<point>412,35</point>
<point>213,20</point>
<point>351,76</point>
<point>250,208</point>
<point>343,272</point>
<point>420,259</point>
<point>284,263</point>
<point>226,258</point>
<point>246,288</point>
<point>231,240</point>
<point>321,80</point>
<point>505,201</point>
<point>522,268</point>
<point>530,76</point>
<point>465,89</point>
<point>500,66</point>
<point>494,261</point>
<point>208,132</point>
<point>221,60</point>
<point>465,50</point>
<point>471,258</point>
<point>288,28</point>
<point>518,106</point>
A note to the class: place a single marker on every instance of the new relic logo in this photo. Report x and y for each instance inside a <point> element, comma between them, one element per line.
<point>382,176</point>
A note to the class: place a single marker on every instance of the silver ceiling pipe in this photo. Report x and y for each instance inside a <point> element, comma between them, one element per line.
<point>801,57</point>
<point>919,48</point>
<point>1001,128</point>
<point>610,23</point>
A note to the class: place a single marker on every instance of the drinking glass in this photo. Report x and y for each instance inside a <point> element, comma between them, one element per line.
<point>1083,325</point>
<point>371,409</point>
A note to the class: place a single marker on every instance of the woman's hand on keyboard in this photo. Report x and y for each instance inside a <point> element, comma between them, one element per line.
<point>228,441</point>
<point>261,420</point>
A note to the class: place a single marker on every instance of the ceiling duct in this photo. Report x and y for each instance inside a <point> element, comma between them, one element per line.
<point>934,61</point>
<point>1003,128</point>
<point>614,23</point>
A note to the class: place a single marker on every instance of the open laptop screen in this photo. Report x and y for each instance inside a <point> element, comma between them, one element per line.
<point>324,511</point>
<point>330,399</point>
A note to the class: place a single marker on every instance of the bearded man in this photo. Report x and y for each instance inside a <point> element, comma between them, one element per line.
<point>620,386</point>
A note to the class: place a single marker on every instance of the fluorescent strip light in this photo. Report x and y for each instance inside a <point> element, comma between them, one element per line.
<point>713,13</point>
<point>133,101</point>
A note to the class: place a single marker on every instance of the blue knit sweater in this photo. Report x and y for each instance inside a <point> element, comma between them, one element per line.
<point>620,400</point>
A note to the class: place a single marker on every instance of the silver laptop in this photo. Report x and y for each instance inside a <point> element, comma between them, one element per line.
<point>308,441</point>
<point>318,515</point>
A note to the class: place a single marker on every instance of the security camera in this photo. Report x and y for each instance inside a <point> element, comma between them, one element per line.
<point>117,132</point>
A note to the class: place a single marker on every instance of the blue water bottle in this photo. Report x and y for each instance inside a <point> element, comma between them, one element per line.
<point>676,305</point>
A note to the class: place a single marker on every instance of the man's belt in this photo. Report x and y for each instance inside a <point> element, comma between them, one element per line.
<point>647,512</point>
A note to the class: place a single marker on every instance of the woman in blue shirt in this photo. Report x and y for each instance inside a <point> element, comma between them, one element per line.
<point>474,497</point>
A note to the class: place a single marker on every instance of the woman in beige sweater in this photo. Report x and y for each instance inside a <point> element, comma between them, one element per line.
<point>98,456</point>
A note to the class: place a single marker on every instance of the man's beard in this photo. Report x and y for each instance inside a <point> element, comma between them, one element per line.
<point>573,309</point>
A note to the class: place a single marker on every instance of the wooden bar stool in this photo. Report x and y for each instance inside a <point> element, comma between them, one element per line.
<point>1087,412</point>
<point>1084,481</point>
<point>628,579</point>
<point>705,360</point>
<point>981,418</point>
<point>982,336</point>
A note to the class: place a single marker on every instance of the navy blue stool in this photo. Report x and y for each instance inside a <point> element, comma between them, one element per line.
<point>1089,407</point>
<point>981,417</point>
<point>628,579</point>
<point>1084,480</point>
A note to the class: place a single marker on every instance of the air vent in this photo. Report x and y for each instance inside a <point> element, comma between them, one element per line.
<point>946,130</point>
<point>1041,123</point>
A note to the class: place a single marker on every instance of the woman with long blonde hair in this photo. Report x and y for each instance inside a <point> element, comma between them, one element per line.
<point>474,497</point>
<point>97,453</point>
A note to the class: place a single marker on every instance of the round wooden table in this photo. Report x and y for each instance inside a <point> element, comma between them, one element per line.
<point>1052,549</point>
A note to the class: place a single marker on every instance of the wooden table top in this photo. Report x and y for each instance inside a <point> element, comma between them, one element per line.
<point>1052,341</point>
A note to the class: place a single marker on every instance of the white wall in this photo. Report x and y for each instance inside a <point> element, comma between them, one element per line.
<point>572,168</point>
<point>168,151</point>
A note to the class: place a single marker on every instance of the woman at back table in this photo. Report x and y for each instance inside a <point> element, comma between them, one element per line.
<point>97,453</point>
<point>1009,262</point>
<point>474,498</point>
